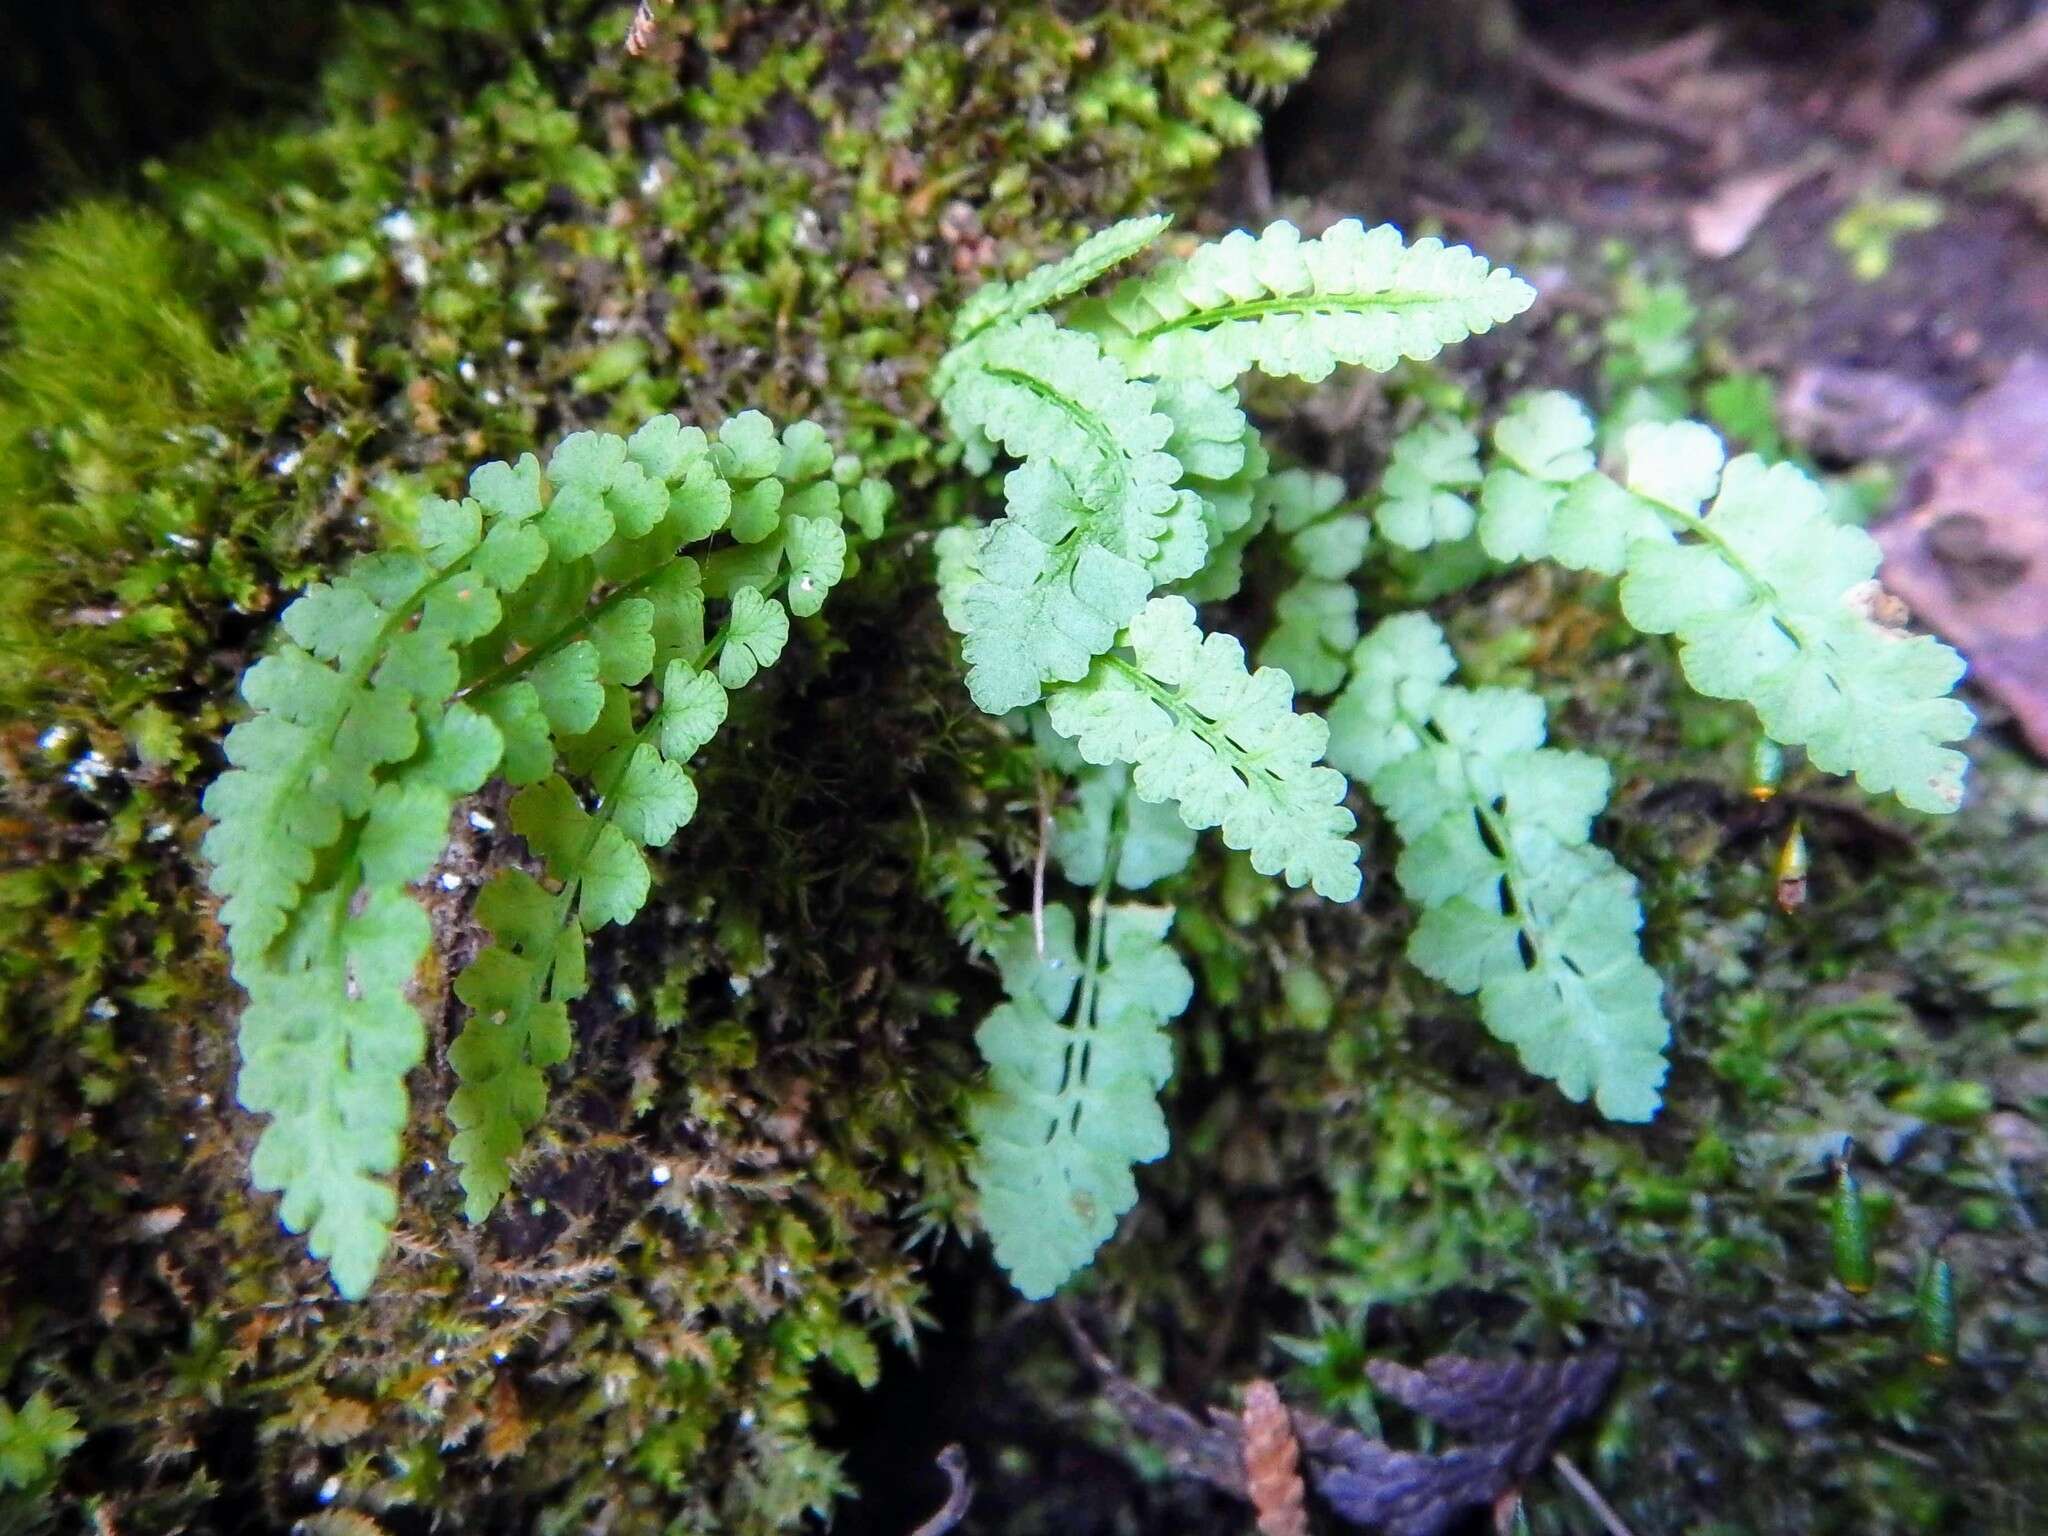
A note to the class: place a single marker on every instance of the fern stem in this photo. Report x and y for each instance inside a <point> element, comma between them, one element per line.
<point>1762,585</point>
<point>1098,925</point>
<point>1298,304</point>
<point>1088,421</point>
<point>571,630</point>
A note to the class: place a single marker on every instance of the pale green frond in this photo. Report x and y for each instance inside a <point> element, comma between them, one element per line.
<point>1518,906</point>
<point>1101,252</point>
<point>1298,308</point>
<point>1224,744</point>
<point>1072,1099</point>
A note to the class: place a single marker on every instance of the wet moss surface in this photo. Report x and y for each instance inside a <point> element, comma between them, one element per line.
<point>494,225</point>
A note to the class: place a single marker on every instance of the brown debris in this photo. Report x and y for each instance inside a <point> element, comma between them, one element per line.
<point>1524,1404</point>
<point>1272,1464</point>
<point>1604,92</point>
<point>1721,223</point>
<point>1851,414</point>
<point>1972,558</point>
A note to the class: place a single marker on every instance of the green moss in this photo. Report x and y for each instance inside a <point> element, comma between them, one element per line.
<point>494,225</point>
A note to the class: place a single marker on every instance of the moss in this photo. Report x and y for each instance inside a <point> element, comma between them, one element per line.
<point>492,226</point>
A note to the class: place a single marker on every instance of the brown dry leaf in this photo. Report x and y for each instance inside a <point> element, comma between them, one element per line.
<point>1852,414</point>
<point>506,1427</point>
<point>326,1419</point>
<point>1272,1464</point>
<point>1721,223</point>
<point>1972,558</point>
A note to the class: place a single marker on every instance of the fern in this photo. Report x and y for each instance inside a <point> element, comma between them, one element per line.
<point>1077,1056</point>
<point>1093,518</point>
<point>1432,465</point>
<point>1517,905</point>
<point>1138,471</point>
<point>1137,464</point>
<point>1297,308</point>
<point>520,641</point>
<point>1101,252</point>
<point>1225,745</point>
<point>1771,600</point>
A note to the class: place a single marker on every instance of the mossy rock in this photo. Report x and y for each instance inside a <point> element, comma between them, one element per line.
<point>495,225</point>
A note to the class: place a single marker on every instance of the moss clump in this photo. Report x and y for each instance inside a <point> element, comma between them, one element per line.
<point>496,226</point>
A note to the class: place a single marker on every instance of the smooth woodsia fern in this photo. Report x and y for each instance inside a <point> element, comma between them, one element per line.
<point>550,631</point>
<point>1517,904</point>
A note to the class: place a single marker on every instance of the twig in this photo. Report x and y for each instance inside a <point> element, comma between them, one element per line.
<point>1997,66</point>
<point>1577,1482</point>
<point>959,1494</point>
<point>1608,96</point>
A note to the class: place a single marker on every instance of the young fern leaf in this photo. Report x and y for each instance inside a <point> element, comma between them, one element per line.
<point>1771,600</point>
<point>1297,308</point>
<point>1517,905</point>
<point>1433,465</point>
<point>1226,745</point>
<point>1077,1057</point>
<point>409,681</point>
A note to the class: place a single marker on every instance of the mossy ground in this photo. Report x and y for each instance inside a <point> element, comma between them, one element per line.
<point>493,226</point>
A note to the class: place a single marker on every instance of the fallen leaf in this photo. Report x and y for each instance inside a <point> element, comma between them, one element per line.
<point>1972,558</point>
<point>1721,223</point>
<point>1851,414</point>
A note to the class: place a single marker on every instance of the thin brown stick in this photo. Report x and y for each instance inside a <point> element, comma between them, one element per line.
<point>1579,1484</point>
<point>1997,66</point>
<point>959,1494</point>
<point>1608,96</point>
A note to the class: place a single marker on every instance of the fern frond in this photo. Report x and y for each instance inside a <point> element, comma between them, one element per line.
<point>1771,599</point>
<point>1431,467</point>
<point>1149,841</point>
<point>1077,1057</point>
<point>1099,253</point>
<point>407,682</point>
<point>1093,518</point>
<point>1298,308</point>
<point>1226,745</point>
<point>1518,906</point>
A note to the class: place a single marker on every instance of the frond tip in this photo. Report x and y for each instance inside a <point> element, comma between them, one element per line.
<point>1077,1057</point>
<point>1295,308</point>
<point>1518,905</point>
